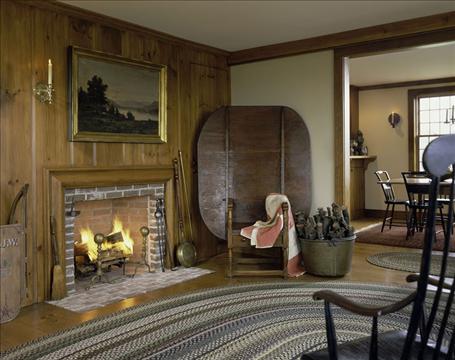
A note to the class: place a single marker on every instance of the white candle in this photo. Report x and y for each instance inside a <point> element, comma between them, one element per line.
<point>49,73</point>
<point>447,116</point>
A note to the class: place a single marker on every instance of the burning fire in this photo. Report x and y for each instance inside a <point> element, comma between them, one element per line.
<point>125,246</point>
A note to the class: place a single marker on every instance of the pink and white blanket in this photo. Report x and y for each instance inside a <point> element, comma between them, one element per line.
<point>263,234</point>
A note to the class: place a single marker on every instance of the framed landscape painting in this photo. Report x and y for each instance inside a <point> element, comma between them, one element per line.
<point>114,99</point>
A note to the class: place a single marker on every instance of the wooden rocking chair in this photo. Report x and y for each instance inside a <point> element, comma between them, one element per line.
<point>245,153</point>
<point>430,335</point>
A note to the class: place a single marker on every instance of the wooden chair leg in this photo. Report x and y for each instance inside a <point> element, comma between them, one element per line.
<point>409,222</point>
<point>406,212</point>
<point>285,263</point>
<point>423,217</point>
<point>230,207</point>
<point>229,267</point>
<point>442,220</point>
<point>385,217</point>
<point>415,221</point>
<point>391,216</point>
<point>285,234</point>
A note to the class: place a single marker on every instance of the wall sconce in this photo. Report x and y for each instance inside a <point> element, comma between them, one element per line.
<point>44,91</point>
<point>394,119</point>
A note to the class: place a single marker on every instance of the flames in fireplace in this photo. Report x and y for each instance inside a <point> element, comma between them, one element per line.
<point>125,246</point>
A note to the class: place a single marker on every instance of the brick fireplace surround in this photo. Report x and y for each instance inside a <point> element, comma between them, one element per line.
<point>134,204</point>
<point>63,183</point>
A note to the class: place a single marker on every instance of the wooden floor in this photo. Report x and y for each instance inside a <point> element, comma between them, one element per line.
<point>362,223</point>
<point>43,319</point>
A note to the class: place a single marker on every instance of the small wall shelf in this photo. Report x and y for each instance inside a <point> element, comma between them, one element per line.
<point>369,157</point>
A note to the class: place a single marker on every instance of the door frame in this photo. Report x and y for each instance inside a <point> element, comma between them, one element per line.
<point>341,94</point>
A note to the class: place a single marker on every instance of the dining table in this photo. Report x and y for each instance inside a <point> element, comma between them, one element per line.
<point>421,186</point>
<point>444,186</point>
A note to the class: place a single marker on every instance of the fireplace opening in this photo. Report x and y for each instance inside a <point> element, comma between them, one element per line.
<point>118,213</point>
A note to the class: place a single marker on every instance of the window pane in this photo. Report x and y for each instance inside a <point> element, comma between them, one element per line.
<point>434,129</point>
<point>424,103</point>
<point>434,103</point>
<point>424,116</point>
<point>452,100</point>
<point>434,116</point>
<point>444,102</point>
<point>423,142</point>
<point>445,128</point>
<point>424,129</point>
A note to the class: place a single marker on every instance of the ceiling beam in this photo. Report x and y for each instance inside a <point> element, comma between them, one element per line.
<point>398,29</point>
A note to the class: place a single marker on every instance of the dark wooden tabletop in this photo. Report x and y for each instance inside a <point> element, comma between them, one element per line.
<point>414,181</point>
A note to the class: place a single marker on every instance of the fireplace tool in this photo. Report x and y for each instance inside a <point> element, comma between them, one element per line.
<point>159,216</point>
<point>162,229</point>
<point>145,233</point>
<point>186,252</point>
<point>72,212</point>
<point>58,284</point>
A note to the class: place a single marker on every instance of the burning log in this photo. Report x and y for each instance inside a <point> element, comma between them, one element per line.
<point>80,249</point>
<point>115,237</point>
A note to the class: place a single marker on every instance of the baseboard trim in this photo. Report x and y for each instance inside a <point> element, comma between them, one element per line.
<point>375,213</point>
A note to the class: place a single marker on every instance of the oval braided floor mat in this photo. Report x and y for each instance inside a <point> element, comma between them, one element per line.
<point>278,320</point>
<point>409,262</point>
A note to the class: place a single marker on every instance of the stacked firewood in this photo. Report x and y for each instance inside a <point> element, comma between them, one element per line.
<point>329,224</point>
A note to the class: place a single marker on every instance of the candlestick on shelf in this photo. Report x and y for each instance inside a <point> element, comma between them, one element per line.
<point>447,117</point>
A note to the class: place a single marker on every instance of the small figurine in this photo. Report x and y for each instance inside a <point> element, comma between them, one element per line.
<point>358,146</point>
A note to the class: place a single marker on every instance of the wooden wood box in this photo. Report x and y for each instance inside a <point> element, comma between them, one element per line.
<point>11,270</point>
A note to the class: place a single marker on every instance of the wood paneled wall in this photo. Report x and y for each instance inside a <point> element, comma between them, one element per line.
<point>34,135</point>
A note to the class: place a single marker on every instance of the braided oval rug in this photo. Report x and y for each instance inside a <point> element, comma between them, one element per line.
<point>278,320</point>
<point>410,262</point>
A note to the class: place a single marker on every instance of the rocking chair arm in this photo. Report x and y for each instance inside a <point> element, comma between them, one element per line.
<point>365,310</point>
<point>431,281</point>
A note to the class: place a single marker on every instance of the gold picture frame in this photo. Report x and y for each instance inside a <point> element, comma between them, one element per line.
<point>116,99</point>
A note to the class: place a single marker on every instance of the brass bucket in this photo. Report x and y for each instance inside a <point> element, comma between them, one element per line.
<point>328,257</point>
